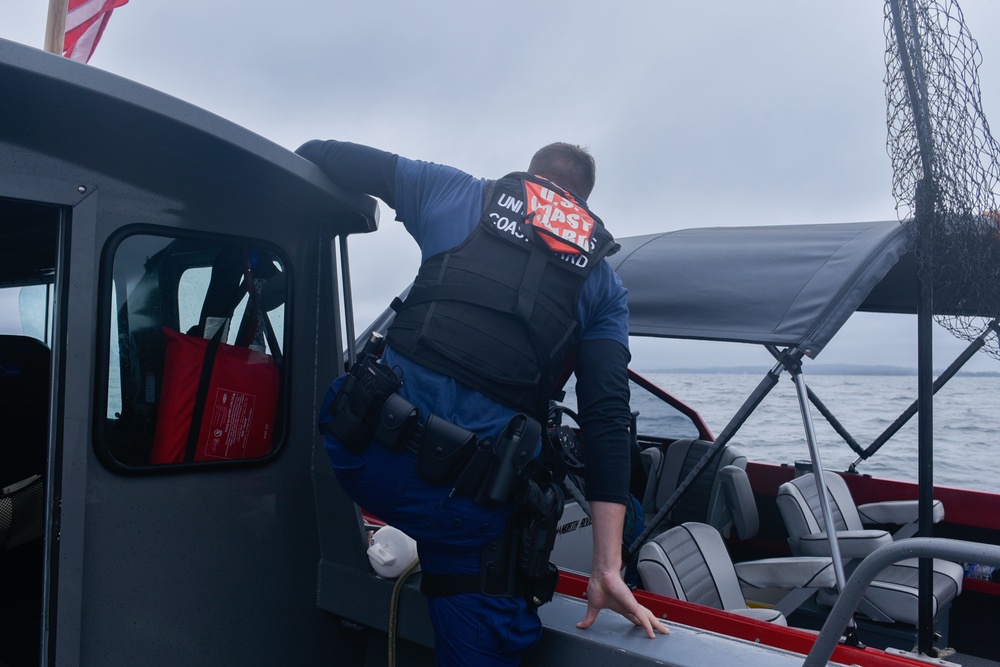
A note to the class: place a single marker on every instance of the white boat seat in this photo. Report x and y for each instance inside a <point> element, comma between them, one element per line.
<point>719,497</point>
<point>690,562</point>
<point>892,596</point>
<point>788,572</point>
<point>853,543</point>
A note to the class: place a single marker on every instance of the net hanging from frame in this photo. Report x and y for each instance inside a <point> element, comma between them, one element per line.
<point>942,151</point>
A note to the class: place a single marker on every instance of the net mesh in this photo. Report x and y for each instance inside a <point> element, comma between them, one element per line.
<point>944,161</point>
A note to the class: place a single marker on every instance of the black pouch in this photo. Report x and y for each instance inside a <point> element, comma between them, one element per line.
<point>355,411</point>
<point>539,507</point>
<point>498,576</point>
<point>470,480</point>
<point>396,421</point>
<point>501,576</point>
<point>444,449</point>
<point>543,587</point>
<point>514,447</point>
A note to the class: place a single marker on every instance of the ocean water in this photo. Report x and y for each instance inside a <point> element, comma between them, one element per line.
<point>966,421</point>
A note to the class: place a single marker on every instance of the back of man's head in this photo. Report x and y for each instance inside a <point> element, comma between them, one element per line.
<point>567,165</point>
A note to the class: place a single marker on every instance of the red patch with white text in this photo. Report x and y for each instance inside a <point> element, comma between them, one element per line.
<point>566,226</point>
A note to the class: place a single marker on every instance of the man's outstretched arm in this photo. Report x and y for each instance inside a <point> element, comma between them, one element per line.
<point>355,167</point>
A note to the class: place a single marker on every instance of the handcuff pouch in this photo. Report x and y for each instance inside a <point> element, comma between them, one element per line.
<point>444,448</point>
<point>396,422</point>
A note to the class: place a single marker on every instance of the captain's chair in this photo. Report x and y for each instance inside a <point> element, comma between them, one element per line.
<point>721,497</point>
<point>893,595</point>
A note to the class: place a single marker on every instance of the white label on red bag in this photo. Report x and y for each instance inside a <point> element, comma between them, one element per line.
<point>232,416</point>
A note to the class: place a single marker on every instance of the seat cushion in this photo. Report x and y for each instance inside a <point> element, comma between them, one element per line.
<point>895,591</point>
<point>893,596</point>
<point>690,562</point>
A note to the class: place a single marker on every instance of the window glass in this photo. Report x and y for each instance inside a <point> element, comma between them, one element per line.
<point>27,311</point>
<point>195,347</point>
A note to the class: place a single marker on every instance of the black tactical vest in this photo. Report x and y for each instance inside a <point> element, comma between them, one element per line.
<point>499,311</point>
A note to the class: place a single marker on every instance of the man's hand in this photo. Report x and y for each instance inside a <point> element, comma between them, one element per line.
<point>607,589</point>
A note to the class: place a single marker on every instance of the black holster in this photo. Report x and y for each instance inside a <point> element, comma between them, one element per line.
<point>518,564</point>
<point>513,452</point>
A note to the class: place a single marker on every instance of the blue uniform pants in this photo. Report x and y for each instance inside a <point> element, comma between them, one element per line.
<point>450,530</point>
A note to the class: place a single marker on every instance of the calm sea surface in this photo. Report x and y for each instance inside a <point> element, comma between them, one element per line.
<point>966,422</point>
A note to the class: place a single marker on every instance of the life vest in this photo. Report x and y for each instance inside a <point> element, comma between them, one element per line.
<point>498,312</point>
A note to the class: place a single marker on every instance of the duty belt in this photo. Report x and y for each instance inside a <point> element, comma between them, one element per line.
<point>487,468</point>
<point>494,472</point>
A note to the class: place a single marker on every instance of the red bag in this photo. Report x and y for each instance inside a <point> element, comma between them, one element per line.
<point>219,401</point>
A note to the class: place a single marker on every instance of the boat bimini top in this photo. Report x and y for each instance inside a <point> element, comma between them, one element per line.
<point>788,285</point>
<point>789,288</point>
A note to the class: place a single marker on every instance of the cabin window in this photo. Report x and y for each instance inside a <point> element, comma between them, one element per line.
<point>195,352</point>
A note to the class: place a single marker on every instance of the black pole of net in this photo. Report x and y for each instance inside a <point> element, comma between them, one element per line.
<point>911,64</point>
<point>925,417</point>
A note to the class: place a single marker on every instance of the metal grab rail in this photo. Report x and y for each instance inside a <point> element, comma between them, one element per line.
<point>878,560</point>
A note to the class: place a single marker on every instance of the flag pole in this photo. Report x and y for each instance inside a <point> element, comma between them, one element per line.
<point>55,26</point>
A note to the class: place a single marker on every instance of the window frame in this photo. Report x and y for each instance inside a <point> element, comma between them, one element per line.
<point>107,313</point>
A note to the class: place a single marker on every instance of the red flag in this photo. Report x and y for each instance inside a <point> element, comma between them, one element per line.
<point>85,23</point>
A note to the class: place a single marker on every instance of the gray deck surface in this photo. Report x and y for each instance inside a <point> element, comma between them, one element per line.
<point>614,640</point>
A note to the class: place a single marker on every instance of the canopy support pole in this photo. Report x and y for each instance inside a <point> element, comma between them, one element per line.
<point>801,391</point>
<point>817,466</point>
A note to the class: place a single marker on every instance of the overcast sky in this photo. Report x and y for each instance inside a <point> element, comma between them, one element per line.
<point>720,113</point>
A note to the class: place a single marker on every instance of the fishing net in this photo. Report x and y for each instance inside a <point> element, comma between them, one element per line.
<point>945,162</point>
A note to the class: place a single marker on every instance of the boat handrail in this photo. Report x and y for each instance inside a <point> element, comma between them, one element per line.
<point>915,547</point>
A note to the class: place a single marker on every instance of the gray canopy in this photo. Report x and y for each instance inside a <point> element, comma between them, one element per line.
<point>789,285</point>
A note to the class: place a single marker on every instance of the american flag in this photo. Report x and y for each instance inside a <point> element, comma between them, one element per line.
<point>85,23</point>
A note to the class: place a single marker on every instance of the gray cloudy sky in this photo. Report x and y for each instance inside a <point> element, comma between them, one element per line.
<point>721,113</point>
